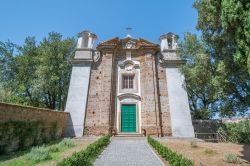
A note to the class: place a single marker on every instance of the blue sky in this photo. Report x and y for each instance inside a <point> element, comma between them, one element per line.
<point>107,18</point>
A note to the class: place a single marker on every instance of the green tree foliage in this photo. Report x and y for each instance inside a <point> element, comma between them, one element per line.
<point>36,74</point>
<point>199,74</point>
<point>7,63</point>
<point>225,25</point>
<point>236,132</point>
<point>218,68</point>
<point>212,86</point>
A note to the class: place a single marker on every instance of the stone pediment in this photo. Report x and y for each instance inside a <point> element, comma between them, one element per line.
<point>129,95</point>
<point>127,43</point>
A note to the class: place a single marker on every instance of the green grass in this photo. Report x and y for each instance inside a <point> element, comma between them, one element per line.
<point>232,158</point>
<point>12,155</point>
<point>22,158</point>
<point>39,153</point>
<point>210,151</point>
<point>193,144</point>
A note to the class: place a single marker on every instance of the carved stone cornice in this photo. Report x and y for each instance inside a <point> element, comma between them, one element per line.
<point>84,56</point>
<point>129,95</point>
<point>170,59</point>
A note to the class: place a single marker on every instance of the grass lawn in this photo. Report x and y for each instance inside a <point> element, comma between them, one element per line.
<point>19,158</point>
<point>208,153</point>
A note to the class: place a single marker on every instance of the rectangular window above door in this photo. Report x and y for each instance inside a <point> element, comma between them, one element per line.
<point>127,81</point>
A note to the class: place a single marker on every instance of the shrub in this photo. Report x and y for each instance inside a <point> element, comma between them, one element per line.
<point>236,132</point>
<point>232,158</point>
<point>193,144</point>
<point>173,158</point>
<point>67,142</point>
<point>54,148</point>
<point>209,151</point>
<point>87,156</point>
<point>38,154</point>
<point>26,133</point>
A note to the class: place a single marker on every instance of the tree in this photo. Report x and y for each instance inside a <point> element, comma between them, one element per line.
<point>201,84</point>
<point>225,27</point>
<point>36,75</point>
<point>218,63</point>
<point>8,70</point>
<point>210,87</point>
<point>54,70</point>
<point>24,78</point>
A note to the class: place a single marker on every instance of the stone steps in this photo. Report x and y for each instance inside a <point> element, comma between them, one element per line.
<point>129,135</point>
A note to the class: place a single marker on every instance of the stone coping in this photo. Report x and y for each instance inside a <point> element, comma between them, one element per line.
<point>30,107</point>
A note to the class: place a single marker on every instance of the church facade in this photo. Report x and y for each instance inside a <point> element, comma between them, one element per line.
<point>127,86</point>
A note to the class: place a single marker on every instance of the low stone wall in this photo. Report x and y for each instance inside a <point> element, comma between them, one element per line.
<point>41,125</point>
<point>206,126</point>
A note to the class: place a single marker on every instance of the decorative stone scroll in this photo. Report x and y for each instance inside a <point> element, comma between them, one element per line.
<point>97,56</point>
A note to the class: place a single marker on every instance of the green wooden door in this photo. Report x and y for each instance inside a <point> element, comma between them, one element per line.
<point>128,118</point>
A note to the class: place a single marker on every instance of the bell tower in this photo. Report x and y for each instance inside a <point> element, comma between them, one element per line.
<point>181,122</point>
<point>79,83</point>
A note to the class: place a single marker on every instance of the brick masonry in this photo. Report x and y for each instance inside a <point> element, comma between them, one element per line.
<point>24,113</point>
<point>163,97</point>
<point>52,125</point>
<point>100,115</point>
<point>156,81</point>
<point>150,111</point>
<point>98,107</point>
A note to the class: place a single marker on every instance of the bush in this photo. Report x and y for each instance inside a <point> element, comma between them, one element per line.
<point>67,142</point>
<point>173,158</point>
<point>54,148</point>
<point>236,132</point>
<point>232,158</point>
<point>38,154</point>
<point>87,156</point>
<point>193,144</point>
<point>26,133</point>
<point>210,151</point>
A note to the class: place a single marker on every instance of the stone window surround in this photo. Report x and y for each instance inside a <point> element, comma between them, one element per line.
<point>122,71</point>
<point>128,96</point>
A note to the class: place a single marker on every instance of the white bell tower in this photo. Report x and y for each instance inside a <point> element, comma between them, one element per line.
<point>79,83</point>
<point>181,122</point>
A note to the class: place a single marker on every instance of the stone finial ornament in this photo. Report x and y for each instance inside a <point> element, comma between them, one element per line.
<point>86,40</point>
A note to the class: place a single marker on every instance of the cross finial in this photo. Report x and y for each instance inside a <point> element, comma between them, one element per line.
<point>129,29</point>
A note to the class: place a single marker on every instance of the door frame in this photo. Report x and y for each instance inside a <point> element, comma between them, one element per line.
<point>137,116</point>
<point>134,105</point>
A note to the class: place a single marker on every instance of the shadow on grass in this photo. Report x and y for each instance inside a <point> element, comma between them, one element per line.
<point>22,152</point>
<point>13,155</point>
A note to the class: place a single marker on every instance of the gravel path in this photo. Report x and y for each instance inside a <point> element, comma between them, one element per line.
<point>128,152</point>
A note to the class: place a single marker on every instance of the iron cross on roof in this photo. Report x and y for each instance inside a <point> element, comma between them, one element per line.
<point>129,29</point>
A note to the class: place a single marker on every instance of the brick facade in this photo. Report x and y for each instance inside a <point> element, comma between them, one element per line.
<point>150,111</point>
<point>98,107</point>
<point>163,97</point>
<point>101,113</point>
<point>101,110</point>
<point>129,86</point>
